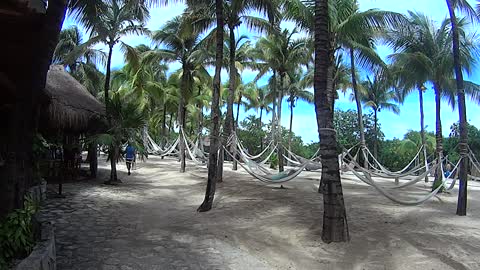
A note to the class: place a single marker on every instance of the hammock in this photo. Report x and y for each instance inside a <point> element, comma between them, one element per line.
<point>240,146</point>
<point>406,184</point>
<point>399,173</point>
<point>261,162</point>
<point>454,180</point>
<point>267,177</point>
<point>192,156</point>
<point>155,149</point>
<point>369,181</point>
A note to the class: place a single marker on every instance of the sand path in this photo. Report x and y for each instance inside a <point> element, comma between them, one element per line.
<point>150,222</point>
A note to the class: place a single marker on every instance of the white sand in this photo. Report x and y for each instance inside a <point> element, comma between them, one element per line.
<point>258,226</point>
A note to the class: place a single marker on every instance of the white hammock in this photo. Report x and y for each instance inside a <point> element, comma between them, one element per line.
<point>240,146</point>
<point>369,181</point>
<point>267,178</point>
<point>399,173</point>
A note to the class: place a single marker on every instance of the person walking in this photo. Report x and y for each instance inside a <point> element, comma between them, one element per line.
<point>130,157</point>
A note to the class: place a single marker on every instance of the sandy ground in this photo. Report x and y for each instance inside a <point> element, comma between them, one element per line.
<point>259,226</point>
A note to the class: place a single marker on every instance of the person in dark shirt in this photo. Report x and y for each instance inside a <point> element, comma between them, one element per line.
<point>130,157</point>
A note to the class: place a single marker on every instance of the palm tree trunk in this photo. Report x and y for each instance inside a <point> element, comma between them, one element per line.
<point>291,123</point>
<point>107,78</point>
<point>164,126</point>
<point>181,124</point>
<point>214,140</point>
<point>114,153</point>
<point>422,130</point>
<point>170,124</point>
<point>375,145</point>
<point>234,145</point>
<point>462,110</point>
<point>274,116</point>
<point>335,228</point>
<point>93,159</point>
<point>438,134</point>
<point>260,120</point>
<point>279,123</point>
<point>361,129</point>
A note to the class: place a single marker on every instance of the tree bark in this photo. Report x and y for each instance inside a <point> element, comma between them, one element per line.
<point>234,145</point>
<point>335,228</point>
<point>375,144</point>
<point>274,105</point>
<point>107,78</point>
<point>261,141</point>
<point>361,128</point>
<point>182,115</point>
<point>215,131</point>
<point>93,159</point>
<point>279,123</point>
<point>462,111</point>
<point>422,130</point>
<point>292,104</point>
<point>438,134</point>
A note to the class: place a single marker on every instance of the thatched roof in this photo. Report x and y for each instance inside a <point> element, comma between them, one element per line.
<point>71,107</point>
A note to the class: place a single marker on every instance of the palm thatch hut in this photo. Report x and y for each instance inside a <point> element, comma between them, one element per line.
<point>71,112</point>
<point>71,108</point>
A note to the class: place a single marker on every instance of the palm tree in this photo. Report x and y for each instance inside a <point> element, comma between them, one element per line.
<point>82,67</point>
<point>354,31</point>
<point>296,89</point>
<point>335,227</point>
<point>182,43</point>
<point>424,48</point>
<point>117,18</point>
<point>215,111</point>
<point>281,53</point>
<point>127,121</point>
<point>378,96</point>
<point>465,7</point>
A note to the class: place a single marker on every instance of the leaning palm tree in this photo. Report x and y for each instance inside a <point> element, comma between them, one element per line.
<point>182,43</point>
<point>378,95</point>
<point>335,228</point>
<point>215,112</point>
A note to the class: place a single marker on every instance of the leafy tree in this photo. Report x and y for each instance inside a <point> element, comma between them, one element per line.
<point>378,96</point>
<point>182,43</point>
<point>127,122</point>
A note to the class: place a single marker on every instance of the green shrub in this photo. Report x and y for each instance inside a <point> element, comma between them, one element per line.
<point>273,161</point>
<point>17,234</point>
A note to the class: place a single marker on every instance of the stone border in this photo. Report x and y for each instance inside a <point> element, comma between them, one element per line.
<point>43,256</point>
<point>39,192</point>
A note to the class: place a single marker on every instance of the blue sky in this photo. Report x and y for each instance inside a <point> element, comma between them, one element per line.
<point>304,123</point>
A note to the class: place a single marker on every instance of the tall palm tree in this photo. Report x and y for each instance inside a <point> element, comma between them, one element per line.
<point>335,227</point>
<point>354,31</point>
<point>296,89</point>
<point>378,96</point>
<point>182,43</point>
<point>117,18</point>
<point>215,111</point>
<point>424,48</point>
<point>281,53</point>
<point>465,7</point>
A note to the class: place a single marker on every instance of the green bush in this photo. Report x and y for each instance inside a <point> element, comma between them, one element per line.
<point>17,234</point>
<point>274,161</point>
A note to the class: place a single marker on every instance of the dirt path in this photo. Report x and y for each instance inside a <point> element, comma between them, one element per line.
<point>150,222</point>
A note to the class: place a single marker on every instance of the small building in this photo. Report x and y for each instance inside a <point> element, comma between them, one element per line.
<point>72,113</point>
